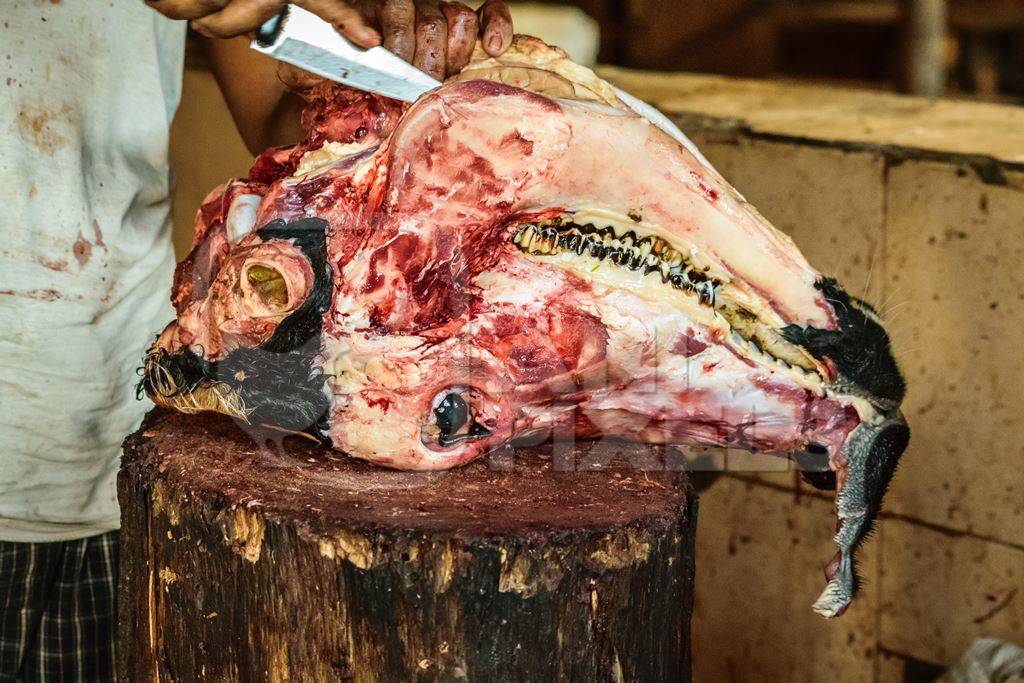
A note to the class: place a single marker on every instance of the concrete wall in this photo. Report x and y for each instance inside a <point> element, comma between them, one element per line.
<point>920,207</point>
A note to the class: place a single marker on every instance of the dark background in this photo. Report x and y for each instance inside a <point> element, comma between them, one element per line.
<point>865,43</point>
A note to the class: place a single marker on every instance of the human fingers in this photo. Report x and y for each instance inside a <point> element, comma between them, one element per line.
<point>495,26</point>
<point>462,34</point>
<point>431,38</point>
<point>346,19</point>
<point>398,23</point>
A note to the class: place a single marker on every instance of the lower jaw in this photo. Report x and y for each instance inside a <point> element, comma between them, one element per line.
<point>776,427</point>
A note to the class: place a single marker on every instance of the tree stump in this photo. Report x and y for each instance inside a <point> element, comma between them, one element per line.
<point>291,562</point>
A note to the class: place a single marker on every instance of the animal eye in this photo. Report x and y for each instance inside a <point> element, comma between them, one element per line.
<point>451,414</point>
<point>269,284</point>
<point>458,415</point>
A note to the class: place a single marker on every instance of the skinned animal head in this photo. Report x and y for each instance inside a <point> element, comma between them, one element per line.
<point>516,254</point>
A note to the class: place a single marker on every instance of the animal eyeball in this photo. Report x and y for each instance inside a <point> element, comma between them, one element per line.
<point>269,285</point>
<point>451,414</point>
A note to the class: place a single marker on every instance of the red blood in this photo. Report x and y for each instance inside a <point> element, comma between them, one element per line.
<point>710,193</point>
<point>516,141</point>
<point>379,402</point>
<point>273,164</point>
<point>338,114</point>
<point>688,346</point>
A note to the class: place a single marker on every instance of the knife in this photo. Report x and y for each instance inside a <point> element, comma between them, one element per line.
<point>303,39</point>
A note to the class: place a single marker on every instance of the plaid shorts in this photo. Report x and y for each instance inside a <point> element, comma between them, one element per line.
<point>58,610</point>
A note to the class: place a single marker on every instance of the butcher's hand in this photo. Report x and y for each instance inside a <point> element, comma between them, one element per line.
<point>437,37</point>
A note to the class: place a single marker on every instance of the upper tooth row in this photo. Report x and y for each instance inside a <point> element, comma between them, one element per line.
<point>650,253</point>
<point>655,254</point>
<point>545,239</point>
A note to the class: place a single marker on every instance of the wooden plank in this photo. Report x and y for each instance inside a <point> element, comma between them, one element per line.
<point>848,119</point>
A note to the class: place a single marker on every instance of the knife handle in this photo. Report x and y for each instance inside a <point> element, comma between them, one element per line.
<point>268,33</point>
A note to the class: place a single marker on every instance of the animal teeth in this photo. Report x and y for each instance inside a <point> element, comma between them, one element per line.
<point>649,254</point>
<point>672,257</point>
<point>573,241</point>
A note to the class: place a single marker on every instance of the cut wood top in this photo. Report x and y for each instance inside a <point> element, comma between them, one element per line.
<point>839,116</point>
<point>519,491</point>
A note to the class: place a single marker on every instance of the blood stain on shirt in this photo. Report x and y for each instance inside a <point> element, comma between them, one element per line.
<point>82,250</point>
<point>41,126</point>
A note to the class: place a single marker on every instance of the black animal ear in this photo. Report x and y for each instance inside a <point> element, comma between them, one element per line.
<point>860,348</point>
<point>872,452</point>
<point>881,463</point>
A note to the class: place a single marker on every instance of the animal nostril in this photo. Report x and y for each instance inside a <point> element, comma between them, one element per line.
<point>814,467</point>
<point>451,414</point>
<point>859,349</point>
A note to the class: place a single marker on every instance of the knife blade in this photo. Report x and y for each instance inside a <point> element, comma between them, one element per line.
<point>303,39</point>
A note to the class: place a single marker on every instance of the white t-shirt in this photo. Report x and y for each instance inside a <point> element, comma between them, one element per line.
<point>87,93</point>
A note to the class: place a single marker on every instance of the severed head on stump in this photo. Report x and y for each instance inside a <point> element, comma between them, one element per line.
<point>515,254</point>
